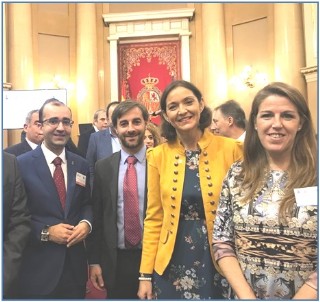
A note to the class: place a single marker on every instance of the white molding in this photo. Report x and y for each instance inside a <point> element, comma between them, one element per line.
<point>148,26</point>
<point>148,15</point>
<point>310,73</point>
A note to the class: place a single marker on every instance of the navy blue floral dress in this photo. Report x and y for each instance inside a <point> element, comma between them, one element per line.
<point>191,273</point>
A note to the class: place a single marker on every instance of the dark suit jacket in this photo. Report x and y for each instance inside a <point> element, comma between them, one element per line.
<point>100,146</point>
<point>84,141</point>
<point>24,147</point>
<point>42,262</point>
<point>16,224</point>
<point>19,149</point>
<point>103,241</point>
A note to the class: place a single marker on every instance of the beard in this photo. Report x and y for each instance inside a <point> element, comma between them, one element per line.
<point>132,145</point>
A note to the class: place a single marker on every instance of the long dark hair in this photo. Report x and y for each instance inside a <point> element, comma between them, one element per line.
<point>167,130</point>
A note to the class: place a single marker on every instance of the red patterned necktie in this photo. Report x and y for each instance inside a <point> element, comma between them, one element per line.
<point>132,227</point>
<point>58,178</point>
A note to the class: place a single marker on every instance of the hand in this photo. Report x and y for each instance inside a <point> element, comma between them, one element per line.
<point>60,233</point>
<point>95,274</point>
<point>145,290</point>
<point>80,232</point>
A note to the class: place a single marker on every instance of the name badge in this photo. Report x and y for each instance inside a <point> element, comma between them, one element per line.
<point>81,179</point>
<point>306,196</point>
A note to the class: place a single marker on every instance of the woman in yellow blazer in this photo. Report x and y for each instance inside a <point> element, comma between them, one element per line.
<point>184,181</point>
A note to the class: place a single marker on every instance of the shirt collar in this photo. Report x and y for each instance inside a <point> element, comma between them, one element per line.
<point>31,144</point>
<point>50,156</point>
<point>140,155</point>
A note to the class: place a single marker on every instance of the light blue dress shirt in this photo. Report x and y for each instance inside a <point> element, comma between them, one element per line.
<point>141,179</point>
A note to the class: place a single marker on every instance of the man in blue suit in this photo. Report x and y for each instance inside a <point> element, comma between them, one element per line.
<point>103,143</point>
<point>54,264</point>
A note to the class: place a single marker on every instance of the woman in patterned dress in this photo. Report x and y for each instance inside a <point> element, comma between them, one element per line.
<point>184,182</point>
<point>265,236</point>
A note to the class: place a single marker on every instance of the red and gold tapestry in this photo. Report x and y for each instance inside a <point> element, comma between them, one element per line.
<point>146,69</point>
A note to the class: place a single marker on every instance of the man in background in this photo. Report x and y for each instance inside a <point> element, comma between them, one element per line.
<point>103,143</point>
<point>114,259</point>
<point>99,123</point>
<point>33,135</point>
<point>229,120</point>
<point>16,224</point>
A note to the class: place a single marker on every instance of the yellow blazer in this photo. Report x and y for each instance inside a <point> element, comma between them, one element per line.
<point>166,171</point>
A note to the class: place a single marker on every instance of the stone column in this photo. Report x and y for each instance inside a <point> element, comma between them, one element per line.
<point>214,54</point>
<point>114,69</point>
<point>185,57</point>
<point>289,51</point>
<point>87,66</point>
<point>310,71</point>
<point>20,53</point>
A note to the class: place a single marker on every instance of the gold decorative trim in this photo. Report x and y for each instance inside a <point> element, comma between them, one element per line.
<point>166,54</point>
<point>7,86</point>
<point>308,70</point>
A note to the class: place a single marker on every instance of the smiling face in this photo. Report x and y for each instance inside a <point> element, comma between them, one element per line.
<point>131,129</point>
<point>56,136</point>
<point>183,109</point>
<point>277,124</point>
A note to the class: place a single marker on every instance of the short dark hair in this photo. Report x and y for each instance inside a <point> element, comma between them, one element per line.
<point>167,130</point>
<point>50,101</point>
<point>233,109</point>
<point>126,106</point>
<point>109,105</point>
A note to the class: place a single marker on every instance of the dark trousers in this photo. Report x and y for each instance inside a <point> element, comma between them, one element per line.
<point>127,274</point>
<point>67,287</point>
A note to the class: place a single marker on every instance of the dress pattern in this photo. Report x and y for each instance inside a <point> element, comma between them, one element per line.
<point>276,259</point>
<point>191,273</point>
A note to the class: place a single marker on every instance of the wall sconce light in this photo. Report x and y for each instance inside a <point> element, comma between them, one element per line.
<point>249,78</point>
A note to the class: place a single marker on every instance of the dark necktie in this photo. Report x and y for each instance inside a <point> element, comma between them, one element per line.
<point>132,227</point>
<point>58,178</point>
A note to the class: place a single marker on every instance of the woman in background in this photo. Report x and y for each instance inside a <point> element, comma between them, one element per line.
<point>184,181</point>
<point>152,136</point>
<point>265,235</point>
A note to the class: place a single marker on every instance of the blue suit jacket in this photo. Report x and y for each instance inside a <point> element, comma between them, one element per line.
<point>42,262</point>
<point>100,146</point>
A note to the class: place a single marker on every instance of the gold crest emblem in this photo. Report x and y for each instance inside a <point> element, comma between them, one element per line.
<point>149,95</point>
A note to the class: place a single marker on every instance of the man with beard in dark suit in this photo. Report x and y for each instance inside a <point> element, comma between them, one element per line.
<point>114,263</point>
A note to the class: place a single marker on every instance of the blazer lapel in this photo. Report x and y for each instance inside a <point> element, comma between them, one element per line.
<point>72,167</point>
<point>45,176</point>
<point>114,180</point>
